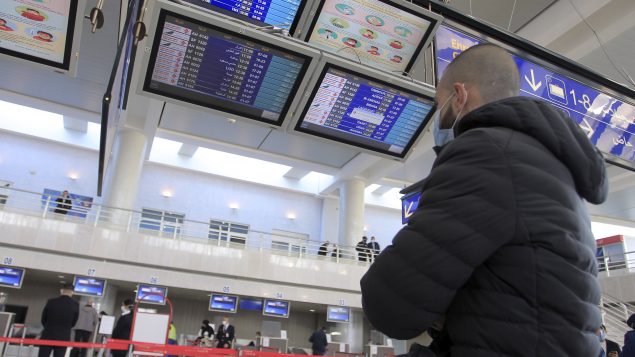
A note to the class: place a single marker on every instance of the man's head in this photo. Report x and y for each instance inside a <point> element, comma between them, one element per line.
<point>372,239</point>
<point>631,321</point>
<point>480,75</point>
<point>205,322</point>
<point>126,305</point>
<point>90,303</point>
<point>65,194</point>
<point>258,333</point>
<point>364,238</point>
<point>601,333</point>
<point>323,329</point>
<point>67,289</point>
<point>226,321</point>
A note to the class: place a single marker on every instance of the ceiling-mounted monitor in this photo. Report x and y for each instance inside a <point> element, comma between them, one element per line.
<point>605,115</point>
<point>276,308</point>
<point>383,34</point>
<point>89,286</point>
<point>40,31</point>
<point>151,294</point>
<point>11,277</point>
<point>370,110</point>
<point>338,314</point>
<point>223,303</point>
<point>227,68</point>
<point>284,14</point>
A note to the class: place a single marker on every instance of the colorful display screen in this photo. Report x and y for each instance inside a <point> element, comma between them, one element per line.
<point>11,277</point>
<point>201,64</point>
<point>223,303</point>
<point>278,13</point>
<point>85,285</point>
<point>276,308</point>
<point>608,121</point>
<point>338,314</point>
<point>361,111</point>
<point>409,205</point>
<point>377,33</point>
<point>38,30</point>
<point>152,294</point>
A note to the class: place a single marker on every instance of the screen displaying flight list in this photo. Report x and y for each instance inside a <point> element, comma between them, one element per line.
<point>225,303</point>
<point>364,112</point>
<point>11,277</point>
<point>278,13</point>
<point>608,122</point>
<point>208,66</point>
<point>89,286</point>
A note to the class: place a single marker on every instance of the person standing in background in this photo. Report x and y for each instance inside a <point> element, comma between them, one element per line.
<point>225,334</point>
<point>373,248</point>
<point>59,316</point>
<point>63,204</point>
<point>123,326</point>
<point>362,249</point>
<point>85,326</point>
<point>319,342</point>
<point>324,249</point>
<point>172,336</point>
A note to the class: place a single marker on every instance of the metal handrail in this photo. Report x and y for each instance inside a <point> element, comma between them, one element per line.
<point>96,214</point>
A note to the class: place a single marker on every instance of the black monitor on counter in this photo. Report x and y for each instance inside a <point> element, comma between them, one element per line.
<point>386,35</point>
<point>40,31</point>
<point>219,66</point>
<point>364,108</point>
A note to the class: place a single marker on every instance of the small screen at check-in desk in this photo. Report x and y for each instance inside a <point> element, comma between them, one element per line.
<point>204,65</point>
<point>223,303</point>
<point>11,277</point>
<point>89,286</point>
<point>277,308</point>
<point>364,112</point>
<point>279,13</point>
<point>338,314</point>
<point>152,294</point>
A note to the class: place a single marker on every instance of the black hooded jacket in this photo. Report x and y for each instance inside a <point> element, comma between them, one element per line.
<point>501,244</point>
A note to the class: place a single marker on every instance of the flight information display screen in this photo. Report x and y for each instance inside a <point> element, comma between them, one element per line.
<point>41,31</point>
<point>278,13</point>
<point>152,294</point>
<point>361,111</point>
<point>409,205</point>
<point>205,65</point>
<point>338,314</point>
<point>378,33</point>
<point>85,285</point>
<point>608,121</point>
<point>223,303</point>
<point>11,277</point>
<point>276,308</point>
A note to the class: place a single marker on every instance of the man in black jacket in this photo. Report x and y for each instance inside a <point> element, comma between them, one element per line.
<point>225,334</point>
<point>362,249</point>
<point>123,326</point>
<point>58,318</point>
<point>501,246</point>
<point>319,342</point>
<point>609,348</point>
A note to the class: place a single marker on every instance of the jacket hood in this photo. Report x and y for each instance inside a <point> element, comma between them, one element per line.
<point>555,130</point>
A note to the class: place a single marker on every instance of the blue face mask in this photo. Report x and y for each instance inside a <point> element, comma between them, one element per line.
<point>602,336</point>
<point>442,136</point>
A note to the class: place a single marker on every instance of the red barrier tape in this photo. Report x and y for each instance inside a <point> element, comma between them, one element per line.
<point>33,341</point>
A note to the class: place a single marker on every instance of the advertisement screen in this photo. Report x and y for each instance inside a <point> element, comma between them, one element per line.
<point>276,308</point>
<point>40,30</point>
<point>208,66</point>
<point>11,277</point>
<point>376,33</point>
<point>152,294</point>
<point>223,303</point>
<point>85,285</point>
<point>362,111</point>
<point>608,122</point>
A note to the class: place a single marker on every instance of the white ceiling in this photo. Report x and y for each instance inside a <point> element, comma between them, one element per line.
<point>551,23</point>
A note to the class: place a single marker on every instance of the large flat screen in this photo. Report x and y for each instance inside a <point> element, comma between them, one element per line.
<point>338,314</point>
<point>151,294</point>
<point>608,121</point>
<point>38,30</point>
<point>359,110</point>
<point>223,303</point>
<point>382,34</point>
<point>11,277</point>
<point>85,285</point>
<point>279,13</point>
<point>276,308</point>
<point>251,304</point>
<point>206,65</point>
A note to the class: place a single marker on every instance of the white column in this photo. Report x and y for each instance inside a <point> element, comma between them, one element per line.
<point>125,169</point>
<point>351,225</point>
<point>330,220</point>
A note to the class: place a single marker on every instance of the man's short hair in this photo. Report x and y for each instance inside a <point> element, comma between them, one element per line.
<point>488,67</point>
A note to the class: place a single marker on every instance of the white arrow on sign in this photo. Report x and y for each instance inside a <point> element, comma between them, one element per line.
<point>408,212</point>
<point>587,127</point>
<point>532,83</point>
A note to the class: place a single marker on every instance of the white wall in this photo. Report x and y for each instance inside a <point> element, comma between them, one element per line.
<point>383,223</point>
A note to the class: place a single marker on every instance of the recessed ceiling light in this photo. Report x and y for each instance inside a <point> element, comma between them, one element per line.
<point>61,276</point>
<point>312,310</point>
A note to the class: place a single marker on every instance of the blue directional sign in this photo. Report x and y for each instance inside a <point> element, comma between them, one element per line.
<point>608,122</point>
<point>409,204</point>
